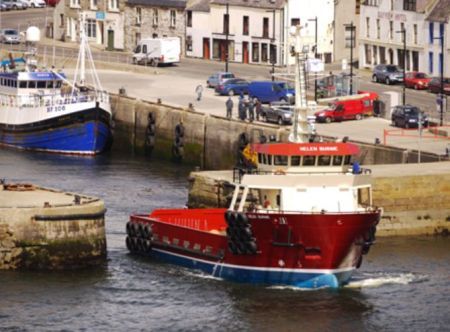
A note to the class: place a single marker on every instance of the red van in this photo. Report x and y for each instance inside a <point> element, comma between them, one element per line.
<point>349,108</point>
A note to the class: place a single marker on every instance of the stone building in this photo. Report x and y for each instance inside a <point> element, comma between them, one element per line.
<point>346,12</point>
<point>104,21</point>
<point>153,19</point>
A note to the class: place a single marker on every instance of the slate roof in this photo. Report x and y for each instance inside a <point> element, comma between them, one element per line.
<point>264,4</point>
<point>160,3</point>
<point>198,5</point>
<point>440,12</point>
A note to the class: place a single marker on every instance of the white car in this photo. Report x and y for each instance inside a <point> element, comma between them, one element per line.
<point>36,3</point>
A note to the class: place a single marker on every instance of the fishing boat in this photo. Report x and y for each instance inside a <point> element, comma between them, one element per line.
<point>41,110</point>
<point>303,217</point>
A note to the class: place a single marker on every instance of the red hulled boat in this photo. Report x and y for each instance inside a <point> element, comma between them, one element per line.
<point>303,217</point>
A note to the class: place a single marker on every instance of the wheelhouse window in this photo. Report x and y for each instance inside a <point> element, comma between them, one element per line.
<point>295,161</point>
<point>280,160</point>
<point>347,160</point>
<point>49,84</point>
<point>309,160</point>
<point>23,84</point>
<point>41,84</point>
<point>32,84</point>
<point>337,160</point>
<point>324,160</point>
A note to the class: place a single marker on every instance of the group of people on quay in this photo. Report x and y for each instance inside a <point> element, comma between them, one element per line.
<point>247,108</point>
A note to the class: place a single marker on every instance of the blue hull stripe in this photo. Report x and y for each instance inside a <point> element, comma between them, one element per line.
<point>80,138</point>
<point>273,276</point>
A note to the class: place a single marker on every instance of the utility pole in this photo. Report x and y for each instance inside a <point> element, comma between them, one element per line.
<point>227,31</point>
<point>272,53</point>
<point>403,32</point>
<point>352,29</point>
<point>315,56</point>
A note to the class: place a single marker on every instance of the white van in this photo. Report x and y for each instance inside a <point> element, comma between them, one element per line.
<point>154,51</point>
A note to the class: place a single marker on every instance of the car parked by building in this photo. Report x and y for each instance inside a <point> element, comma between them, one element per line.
<point>16,4</point>
<point>278,112</point>
<point>348,108</point>
<point>270,91</point>
<point>35,3</point>
<point>417,80</point>
<point>408,116</point>
<point>388,74</point>
<point>233,86</point>
<point>434,85</point>
<point>9,36</point>
<point>5,6</point>
<point>218,78</point>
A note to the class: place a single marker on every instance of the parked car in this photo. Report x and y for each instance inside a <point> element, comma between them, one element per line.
<point>417,80</point>
<point>157,51</point>
<point>218,78</point>
<point>16,4</point>
<point>435,85</point>
<point>10,36</point>
<point>407,116</point>
<point>36,3</point>
<point>348,108</point>
<point>232,87</point>
<point>25,4</point>
<point>52,3</point>
<point>388,74</point>
<point>278,112</point>
<point>5,6</point>
<point>269,91</point>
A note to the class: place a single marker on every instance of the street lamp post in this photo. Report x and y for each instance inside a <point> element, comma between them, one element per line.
<point>403,32</point>
<point>227,31</point>
<point>441,104</point>
<point>272,44</point>
<point>315,56</point>
<point>352,29</point>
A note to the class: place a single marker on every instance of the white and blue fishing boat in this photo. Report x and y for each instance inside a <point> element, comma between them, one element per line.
<point>41,110</point>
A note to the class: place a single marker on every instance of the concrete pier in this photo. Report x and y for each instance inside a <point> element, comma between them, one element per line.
<point>415,197</point>
<point>43,228</point>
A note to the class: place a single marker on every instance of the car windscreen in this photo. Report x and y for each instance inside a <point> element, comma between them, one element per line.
<point>391,69</point>
<point>11,32</point>
<point>283,85</point>
<point>412,111</point>
<point>421,75</point>
<point>227,76</point>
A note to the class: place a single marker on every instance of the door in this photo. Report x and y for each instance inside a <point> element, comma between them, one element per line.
<point>206,51</point>
<point>245,55</point>
<point>110,40</point>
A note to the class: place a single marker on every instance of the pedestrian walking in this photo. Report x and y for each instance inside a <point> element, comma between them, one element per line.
<point>251,110</point>
<point>229,104</point>
<point>258,108</point>
<point>199,91</point>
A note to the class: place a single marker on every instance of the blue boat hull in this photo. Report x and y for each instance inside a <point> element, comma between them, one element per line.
<point>87,132</point>
<point>301,278</point>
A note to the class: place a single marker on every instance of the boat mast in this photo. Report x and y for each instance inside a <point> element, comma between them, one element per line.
<point>300,131</point>
<point>82,49</point>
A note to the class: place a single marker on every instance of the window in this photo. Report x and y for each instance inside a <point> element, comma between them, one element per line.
<point>357,7</point>
<point>391,29</point>
<point>138,15</point>
<point>155,17</point>
<point>264,52</point>
<point>378,28</point>
<point>280,160</point>
<point>392,4</point>
<point>440,62</point>
<point>255,52</point>
<point>295,22</point>
<point>324,160</point>
<point>337,160</point>
<point>189,43</point>
<point>32,84</point>
<point>22,84</point>
<point>245,25</point>
<point>309,160</point>
<point>41,84</point>
<point>61,20</point>
<point>94,4</point>
<point>431,32</point>
<point>189,18</point>
<point>226,24</point>
<point>295,161</point>
<point>402,28</point>
<point>409,5</point>
<point>137,39</point>
<point>348,36</point>
<point>91,30</point>
<point>441,33</point>
<point>113,5</point>
<point>415,33</point>
<point>367,27</point>
<point>430,62</point>
<point>265,27</point>
<point>173,18</point>
<point>75,3</point>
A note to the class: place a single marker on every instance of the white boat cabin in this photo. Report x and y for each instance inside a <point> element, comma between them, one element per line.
<point>304,177</point>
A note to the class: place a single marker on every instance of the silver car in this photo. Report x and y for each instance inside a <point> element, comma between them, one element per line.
<point>10,36</point>
<point>388,74</point>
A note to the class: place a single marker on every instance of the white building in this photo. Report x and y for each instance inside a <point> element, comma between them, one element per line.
<point>381,36</point>
<point>305,13</point>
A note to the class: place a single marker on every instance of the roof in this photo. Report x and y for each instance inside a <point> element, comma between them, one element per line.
<point>264,4</point>
<point>307,149</point>
<point>198,5</point>
<point>440,12</point>
<point>160,3</point>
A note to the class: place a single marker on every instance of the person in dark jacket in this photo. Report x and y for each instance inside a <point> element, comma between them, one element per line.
<point>229,104</point>
<point>241,109</point>
<point>251,110</point>
<point>258,108</point>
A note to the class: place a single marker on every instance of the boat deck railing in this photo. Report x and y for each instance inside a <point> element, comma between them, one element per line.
<point>51,100</point>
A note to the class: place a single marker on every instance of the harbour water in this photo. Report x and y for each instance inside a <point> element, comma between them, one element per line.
<point>403,283</point>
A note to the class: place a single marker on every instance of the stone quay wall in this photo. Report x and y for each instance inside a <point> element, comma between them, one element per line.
<point>52,237</point>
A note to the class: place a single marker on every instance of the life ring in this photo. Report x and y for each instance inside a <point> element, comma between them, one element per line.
<point>242,219</point>
<point>146,246</point>
<point>232,248</point>
<point>246,233</point>
<point>128,228</point>
<point>135,229</point>
<point>129,243</point>
<point>134,244</point>
<point>147,231</point>
<point>252,248</point>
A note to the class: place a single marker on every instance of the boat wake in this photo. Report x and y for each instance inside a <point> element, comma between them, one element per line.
<point>385,279</point>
